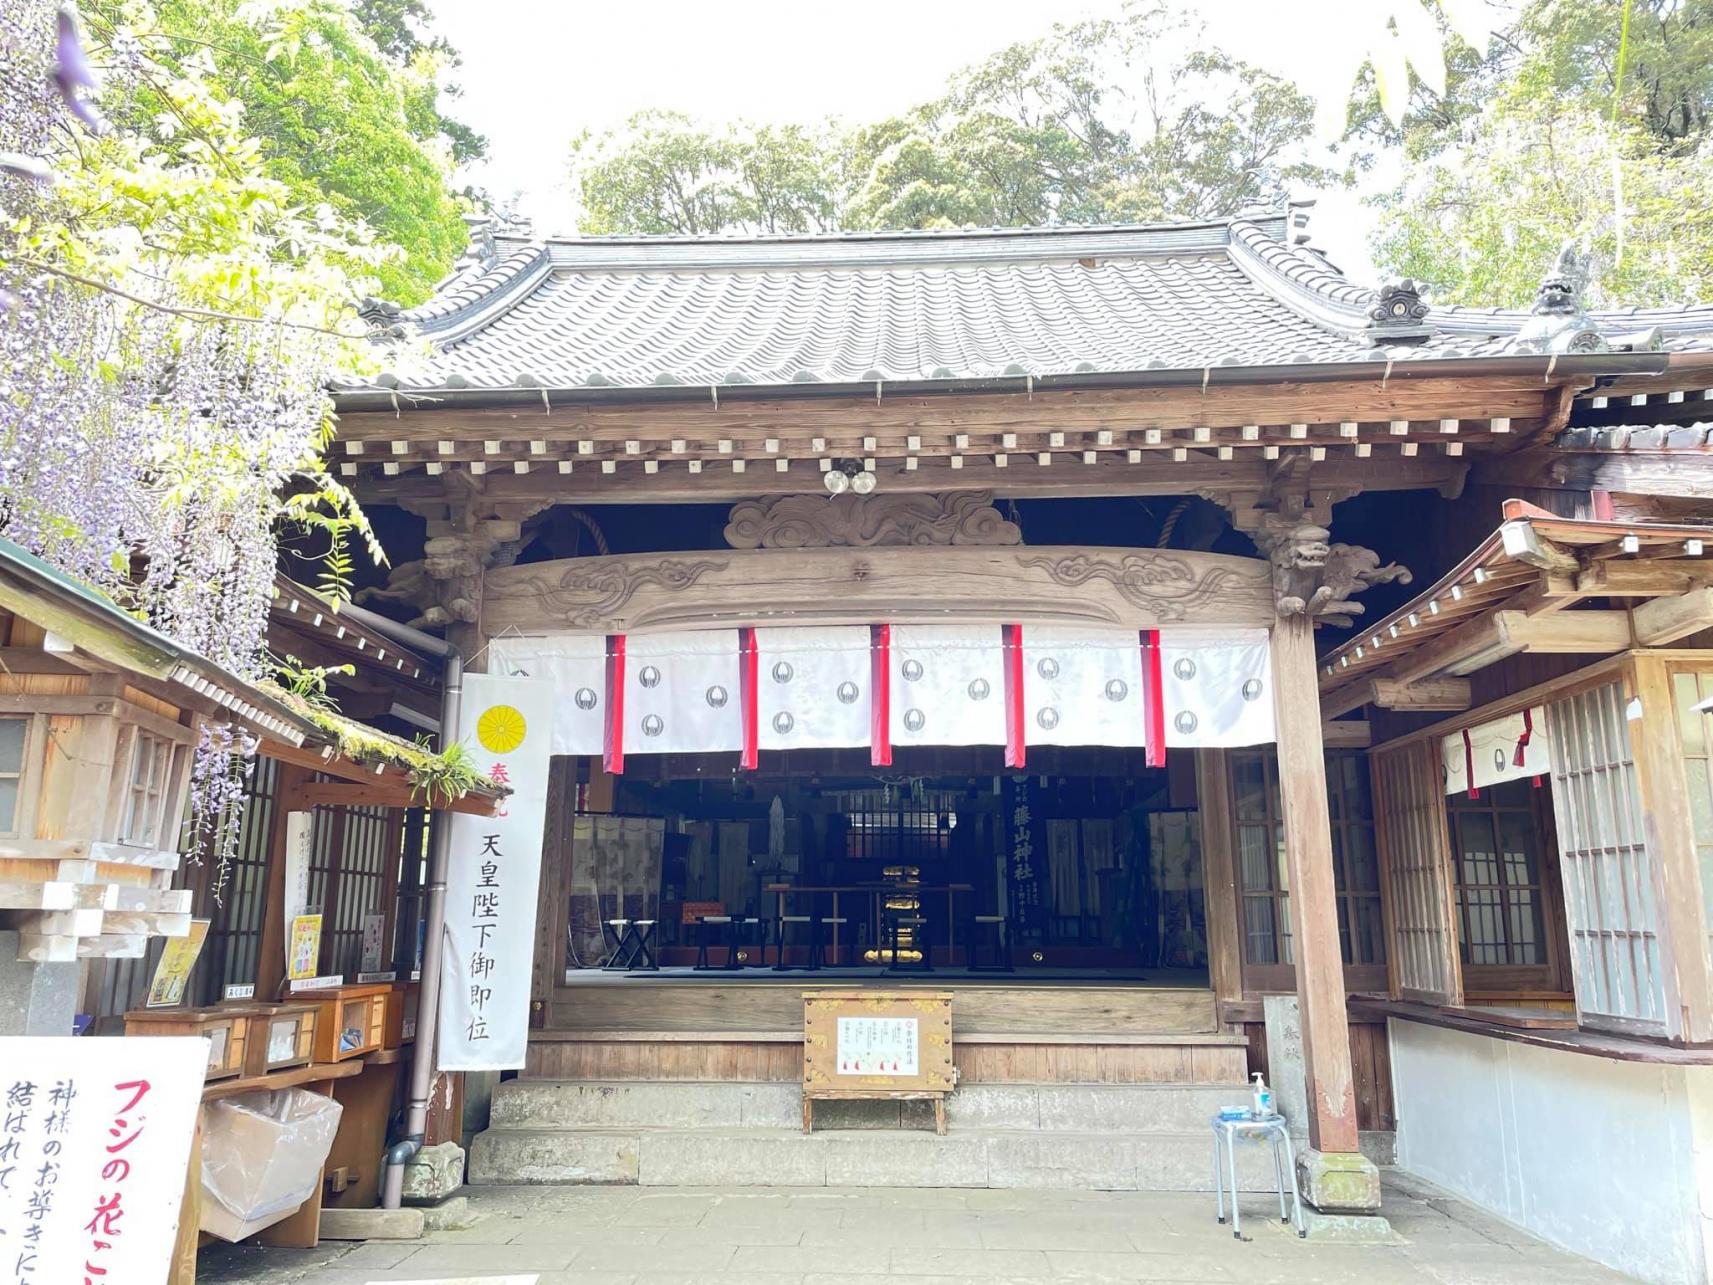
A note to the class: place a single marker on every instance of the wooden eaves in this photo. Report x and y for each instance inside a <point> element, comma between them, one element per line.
<point>1523,589</point>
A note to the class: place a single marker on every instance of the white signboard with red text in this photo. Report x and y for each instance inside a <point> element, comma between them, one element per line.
<point>494,876</point>
<point>95,1136</point>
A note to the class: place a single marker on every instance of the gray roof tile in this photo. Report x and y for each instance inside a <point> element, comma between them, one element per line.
<point>634,312</point>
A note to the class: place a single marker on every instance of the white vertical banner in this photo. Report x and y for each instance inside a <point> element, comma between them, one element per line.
<point>494,876</point>
<point>94,1140</point>
<point>299,846</point>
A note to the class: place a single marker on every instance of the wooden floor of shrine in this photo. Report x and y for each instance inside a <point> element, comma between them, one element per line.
<point>1157,1026</point>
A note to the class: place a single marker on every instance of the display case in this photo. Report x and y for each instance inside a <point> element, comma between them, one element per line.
<point>401,1014</point>
<point>351,1020</point>
<point>226,1032</point>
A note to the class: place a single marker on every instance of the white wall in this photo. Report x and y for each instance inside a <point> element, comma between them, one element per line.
<point>1605,1158</point>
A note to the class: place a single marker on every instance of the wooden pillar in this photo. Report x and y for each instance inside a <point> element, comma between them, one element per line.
<point>1657,746</point>
<point>1314,903</point>
<point>1219,875</point>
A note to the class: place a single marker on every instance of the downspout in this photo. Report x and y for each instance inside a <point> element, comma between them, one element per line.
<point>428,992</point>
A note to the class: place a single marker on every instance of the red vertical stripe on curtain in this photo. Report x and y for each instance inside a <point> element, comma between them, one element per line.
<point>1012,651</point>
<point>1153,700</point>
<point>880,695</point>
<point>748,698</point>
<point>614,757</point>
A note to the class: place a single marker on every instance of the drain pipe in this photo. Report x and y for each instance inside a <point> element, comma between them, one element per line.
<point>433,945</point>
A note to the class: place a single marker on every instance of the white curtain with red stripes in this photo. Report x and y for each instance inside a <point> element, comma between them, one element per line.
<point>1083,687</point>
<point>1217,686</point>
<point>682,693</point>
<point>576,665</point>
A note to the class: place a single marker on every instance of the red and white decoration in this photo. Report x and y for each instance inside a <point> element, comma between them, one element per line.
<point>884,685</point>
<point>1512,748</point>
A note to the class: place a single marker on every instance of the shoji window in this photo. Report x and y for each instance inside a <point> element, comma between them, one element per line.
<point>1611,885</point>
<point>1695,728</point>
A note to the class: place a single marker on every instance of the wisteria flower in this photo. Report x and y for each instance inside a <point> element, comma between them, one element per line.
<point>73,74</point>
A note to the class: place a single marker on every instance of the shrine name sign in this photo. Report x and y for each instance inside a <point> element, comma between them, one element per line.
<point>889,1045</point>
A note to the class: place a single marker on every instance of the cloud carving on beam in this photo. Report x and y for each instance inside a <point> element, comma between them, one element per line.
<point>865,521</point>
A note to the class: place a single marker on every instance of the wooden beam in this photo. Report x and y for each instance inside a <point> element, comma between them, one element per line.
<point>717,484</point>
<point>698,418</point>
<point>1523,543</point>
<point>1347,733</point>
<point>389,792</point>
<point>1425,695</point>
<point>1643,579</point>
<point>1679,474</point>
<point>1665,620</point>
<point>1314,895</point>
<point>1219,874</point>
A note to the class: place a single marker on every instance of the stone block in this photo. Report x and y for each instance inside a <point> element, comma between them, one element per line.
<point>1379,1145</point>
<point>434,1173</point>
<point>993,1106</point>
<point>371,1224</point>
<point>1184,1162</point>
<point>1338,1182</point>
<point>550,1156</point>
<point>1076,1161</point>
<point>905,1160</point>
<point>743,1158</point>
<point>452,1214</point>
<point>35,999</point>
<point>1349,1229</point>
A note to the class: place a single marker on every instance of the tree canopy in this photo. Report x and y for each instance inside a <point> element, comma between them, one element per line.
<point>1538,142</point>
<point>346,109</point>
<point>1133,118</point>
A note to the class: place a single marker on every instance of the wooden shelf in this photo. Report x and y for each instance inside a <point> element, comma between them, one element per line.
<point>314,1072</point>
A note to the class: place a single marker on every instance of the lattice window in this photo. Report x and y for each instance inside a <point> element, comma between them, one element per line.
<point>1262,879</point>
<point>233,949</point>
<point>1610,882</point>
<point>1501,894</point>
<point>1411,807</point>
<point>368,848</point>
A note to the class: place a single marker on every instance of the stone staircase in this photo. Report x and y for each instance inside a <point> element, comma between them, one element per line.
<point>1120,1137</point>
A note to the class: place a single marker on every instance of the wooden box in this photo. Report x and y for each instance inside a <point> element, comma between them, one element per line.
<point>227,1033</point>
<point>282,1036</point>
<point>352,1020</point>
<point>401,1014</point>
<point>877,1044</point>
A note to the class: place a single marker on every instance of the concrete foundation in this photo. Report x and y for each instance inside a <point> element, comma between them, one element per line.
<point>371,1224</point>
<point>1117,1137</point>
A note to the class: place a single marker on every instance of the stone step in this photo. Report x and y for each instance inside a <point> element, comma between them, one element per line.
<point>1104,1161</point>
<point>688,1104</point>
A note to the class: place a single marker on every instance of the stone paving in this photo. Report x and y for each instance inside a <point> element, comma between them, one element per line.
<point>832,1236</point>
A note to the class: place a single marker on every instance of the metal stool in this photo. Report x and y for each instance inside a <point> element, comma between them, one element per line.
<point>1265,1129</point>
<point>779,922</point>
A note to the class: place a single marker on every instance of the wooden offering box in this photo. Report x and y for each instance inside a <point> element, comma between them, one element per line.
<point>282,1036</point>
<point>227,1033</point>
<point>401,1014</point>
<point>351,1020</point>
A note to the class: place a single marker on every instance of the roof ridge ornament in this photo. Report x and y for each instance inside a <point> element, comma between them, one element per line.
<point>1558,323</point>
<point>1398,311</point>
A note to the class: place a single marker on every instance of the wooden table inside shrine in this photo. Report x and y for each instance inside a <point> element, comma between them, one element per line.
<point>875,892</point>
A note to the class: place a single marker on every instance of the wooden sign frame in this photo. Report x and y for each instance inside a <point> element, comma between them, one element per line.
<point>935,1076</point>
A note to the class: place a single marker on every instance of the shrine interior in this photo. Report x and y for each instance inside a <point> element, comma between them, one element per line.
<point>1091,861</point>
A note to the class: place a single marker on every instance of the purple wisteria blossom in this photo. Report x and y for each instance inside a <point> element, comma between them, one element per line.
<point>72,72</point>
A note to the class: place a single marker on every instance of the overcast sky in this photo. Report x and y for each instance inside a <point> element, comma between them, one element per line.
<point>537,72</point>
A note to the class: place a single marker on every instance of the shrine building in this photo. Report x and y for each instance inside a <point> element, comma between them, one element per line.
<point>1193,661</point>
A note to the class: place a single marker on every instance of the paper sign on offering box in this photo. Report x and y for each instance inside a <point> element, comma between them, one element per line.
<point>305,947</point>
<point>103,1132</point>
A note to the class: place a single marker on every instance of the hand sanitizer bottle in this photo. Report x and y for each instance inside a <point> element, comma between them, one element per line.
<point>1263,1107</point>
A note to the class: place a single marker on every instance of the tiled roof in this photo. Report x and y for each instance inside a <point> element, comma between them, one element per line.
<point>638,312</point>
